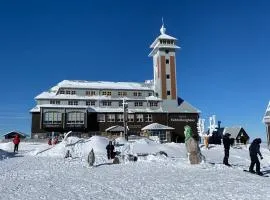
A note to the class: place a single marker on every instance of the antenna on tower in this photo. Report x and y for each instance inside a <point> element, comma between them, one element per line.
<point>162,21</point>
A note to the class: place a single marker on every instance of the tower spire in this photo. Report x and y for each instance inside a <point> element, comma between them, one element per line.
<point>162,29</point>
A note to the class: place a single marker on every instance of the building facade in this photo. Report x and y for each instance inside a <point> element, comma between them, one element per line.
<point>88,108</point>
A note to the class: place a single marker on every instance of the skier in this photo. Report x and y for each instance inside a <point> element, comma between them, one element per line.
<point>254,149</point>
<point>227,143</point>
<point>110,150</point>
<point>16,141</point>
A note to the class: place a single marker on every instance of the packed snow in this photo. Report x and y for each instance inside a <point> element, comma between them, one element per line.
<point>40,171</point>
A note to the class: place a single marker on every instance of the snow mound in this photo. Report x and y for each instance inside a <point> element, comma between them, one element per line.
<point>77,147</point>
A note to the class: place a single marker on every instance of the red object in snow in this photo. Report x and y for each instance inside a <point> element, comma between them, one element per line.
<point>16,139</point>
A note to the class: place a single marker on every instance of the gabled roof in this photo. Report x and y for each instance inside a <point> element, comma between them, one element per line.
<point>16,132</point>
<point>234,131</point>
<point>186,107</point>
<point>157,126</point>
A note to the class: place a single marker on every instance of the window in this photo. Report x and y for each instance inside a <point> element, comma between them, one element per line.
<point>168,92</point>
<point>106,93</point>
<point>149,94</point>
<point>90,103</point>
<point>54,102</point>
<point>52,118</point>
<point>75,118</point>
<point>106,103</point>
<point>62,92</point>
<point>120,117</point>
<point>73,103</point>
<point>160,134</point>
<point>148,118</point>
<point>135,94</point>
<point>90,93</point>
<point>111,117</point>
<point>168,76</point>
<point>120,103</point>
<point>153,103</point>
<point>121,93</point>
<point>130,117</point>
<point>101,117</point>
<point>138,103</point>
<point>73,92</point>
<point>67,92</point>
<point>167,61</point>
<point>166,51</point>
<point>139,117</point>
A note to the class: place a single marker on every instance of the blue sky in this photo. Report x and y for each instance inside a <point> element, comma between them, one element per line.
<point>222,67</point>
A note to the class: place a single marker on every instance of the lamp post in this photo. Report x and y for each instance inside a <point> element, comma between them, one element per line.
<point>125,112</point>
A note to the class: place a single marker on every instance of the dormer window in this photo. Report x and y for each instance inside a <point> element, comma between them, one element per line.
<point>62,92</point>
<point>73,92</point>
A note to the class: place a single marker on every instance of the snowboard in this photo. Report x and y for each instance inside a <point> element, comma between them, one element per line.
<point>264,175</point>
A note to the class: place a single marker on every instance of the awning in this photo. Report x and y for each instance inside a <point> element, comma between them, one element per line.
<point>156,126</point>
<point>116,128</point>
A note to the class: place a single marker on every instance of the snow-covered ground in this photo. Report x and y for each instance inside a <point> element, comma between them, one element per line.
<point>39,171</point>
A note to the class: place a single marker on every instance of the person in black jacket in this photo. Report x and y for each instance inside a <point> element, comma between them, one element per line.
<point>254,149</point>
<point>227,143</point>
<point>110,150</point>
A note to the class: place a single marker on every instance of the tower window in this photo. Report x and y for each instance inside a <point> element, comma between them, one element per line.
<point>167,61</point>
<point>168,76</point>
<point>168,92</point>
<point>166,51</point>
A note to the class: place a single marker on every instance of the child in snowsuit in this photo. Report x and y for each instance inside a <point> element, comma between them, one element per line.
<point>110,150</point>
<point>16,141</point>
<point>227,143</point>
<point>254,149</point>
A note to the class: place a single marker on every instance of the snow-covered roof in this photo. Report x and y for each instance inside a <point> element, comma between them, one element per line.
<point>266,118</point>
<point>116,128</point>
<point>102,85</point>
<point>234,131</point>
<point>182,107</point>
<point>157,126</point>
<point>51,95</point>
<point>14,132</point>
<point>163,35</point>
